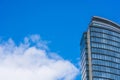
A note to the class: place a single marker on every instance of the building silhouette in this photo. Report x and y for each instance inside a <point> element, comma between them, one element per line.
<point>100,50</point>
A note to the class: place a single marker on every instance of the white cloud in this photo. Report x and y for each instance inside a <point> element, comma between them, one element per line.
<point>31,60</point>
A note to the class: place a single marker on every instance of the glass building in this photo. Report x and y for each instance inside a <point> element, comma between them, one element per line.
<point>100,50</point>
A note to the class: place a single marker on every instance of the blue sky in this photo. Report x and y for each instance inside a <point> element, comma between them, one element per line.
<point>61,22</point>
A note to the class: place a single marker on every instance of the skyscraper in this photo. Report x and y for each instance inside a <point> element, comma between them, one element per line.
<point>100,50</point>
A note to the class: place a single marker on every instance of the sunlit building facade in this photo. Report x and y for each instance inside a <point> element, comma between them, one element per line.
<point>100,50</point>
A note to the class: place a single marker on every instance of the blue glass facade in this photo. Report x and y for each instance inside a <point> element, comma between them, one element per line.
<point>104,51</point>
<point>84,64</point>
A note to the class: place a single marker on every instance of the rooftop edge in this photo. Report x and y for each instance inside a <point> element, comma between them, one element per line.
<point>104,20</point>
